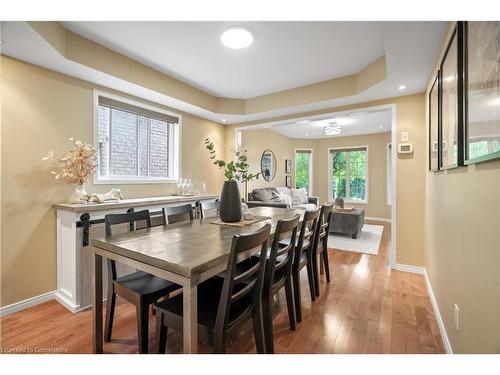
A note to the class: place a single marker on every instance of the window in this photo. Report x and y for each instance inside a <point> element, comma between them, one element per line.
<point>135,142</point>
<point>303,170</point>
<point>349,174</point>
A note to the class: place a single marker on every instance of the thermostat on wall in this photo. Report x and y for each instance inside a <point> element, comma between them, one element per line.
<point>405,148</point>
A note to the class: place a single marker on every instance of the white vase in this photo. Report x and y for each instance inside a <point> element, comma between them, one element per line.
<point>78,193</point>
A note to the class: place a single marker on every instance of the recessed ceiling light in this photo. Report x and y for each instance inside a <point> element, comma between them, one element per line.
<point>236,38</point>
<point>302,122</point>
<point>223,120</point>
<point>381,126</point>
<point>401,87</point>
<point>307,134</point>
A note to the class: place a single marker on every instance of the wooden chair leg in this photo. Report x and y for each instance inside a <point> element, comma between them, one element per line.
<point>258,330</point>
<point>110,313</point>
<point>268,323</point>
<point>161,334</point>
<point>310,279</point>
<point>289,303</point>
<point>326,264</point>
<point>297,296</point>
<point>142,327</point>
<point>220,342</point>
<point>315,270</point>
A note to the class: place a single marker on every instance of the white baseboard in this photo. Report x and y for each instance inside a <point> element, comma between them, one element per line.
<point>408,268</point>
<point>21,305</point>
<point>442,330</point>
<point>378,219</point>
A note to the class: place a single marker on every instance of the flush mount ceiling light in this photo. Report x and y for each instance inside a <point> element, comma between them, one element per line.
<point>236,38</point>
<point>401,87</point>
<point>333,129</point>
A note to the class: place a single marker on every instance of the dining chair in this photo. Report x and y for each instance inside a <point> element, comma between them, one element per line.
<point>303,257</point>
<point>139,288</point>
<point>278,275</point>
<point>224,304</point>
<point>208,208</point>
<point>176,214</point>
<point>321,245</point>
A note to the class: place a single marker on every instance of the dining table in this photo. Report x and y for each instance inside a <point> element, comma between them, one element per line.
<point>186,253</point>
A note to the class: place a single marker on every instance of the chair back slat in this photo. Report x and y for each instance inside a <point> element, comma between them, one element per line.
<point>247,283</point>
<point>281,256</point>
<point>208,208</point>
<point>132,218</point>
<point>307,230</point>
<point>323,228</point>
<point>176,214</point>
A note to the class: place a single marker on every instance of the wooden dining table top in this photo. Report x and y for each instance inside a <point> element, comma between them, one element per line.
<point>187,248</point>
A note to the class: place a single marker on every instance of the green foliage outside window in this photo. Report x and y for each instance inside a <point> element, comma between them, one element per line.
<point>302,162</point>
<point>349,166</point>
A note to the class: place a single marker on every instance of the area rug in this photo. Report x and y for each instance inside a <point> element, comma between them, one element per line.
<point>368,241</point>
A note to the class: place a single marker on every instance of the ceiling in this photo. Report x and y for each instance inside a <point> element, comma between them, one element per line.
<point>284,55</point>
<point>367,121</point>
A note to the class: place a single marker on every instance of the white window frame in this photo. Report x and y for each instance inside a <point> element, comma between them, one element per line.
<point>348,188</point>
<point>310,150</point>
<point>175,143</point>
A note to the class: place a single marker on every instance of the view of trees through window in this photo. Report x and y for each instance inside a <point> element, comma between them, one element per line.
<point>349,174</point>
<point>302,169</point>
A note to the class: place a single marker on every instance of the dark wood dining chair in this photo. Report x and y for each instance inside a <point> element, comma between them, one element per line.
<point>278,275</point>
<point>224,304</point>
<point>139,288</point>
<point>208,208</point>
<point>321,245</point>
<point>176,214</point>
<point>304,257</point>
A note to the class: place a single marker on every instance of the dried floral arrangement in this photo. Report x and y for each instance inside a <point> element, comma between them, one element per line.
<point>77,165</point>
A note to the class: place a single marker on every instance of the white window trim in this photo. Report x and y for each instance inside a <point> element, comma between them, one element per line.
<point>310,192</point>
<point>175,144</point>
<point>330,171</point>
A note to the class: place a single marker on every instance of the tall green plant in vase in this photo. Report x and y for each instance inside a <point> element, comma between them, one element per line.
<point>235,171</point>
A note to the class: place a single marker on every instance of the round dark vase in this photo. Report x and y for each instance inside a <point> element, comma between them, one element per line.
<point>230,202</point>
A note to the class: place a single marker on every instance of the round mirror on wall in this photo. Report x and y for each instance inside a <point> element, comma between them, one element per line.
<point>268,165</point>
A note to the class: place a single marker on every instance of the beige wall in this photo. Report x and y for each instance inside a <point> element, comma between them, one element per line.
<point>377,166</point>
<point>40,110</point>
<point>463,252</point>
<point>411,170</point>
<point>256,141</point>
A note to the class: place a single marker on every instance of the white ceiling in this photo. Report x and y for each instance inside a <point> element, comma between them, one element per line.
<point>411,48</point>
<point>368,121</point>
<point>284,55</point>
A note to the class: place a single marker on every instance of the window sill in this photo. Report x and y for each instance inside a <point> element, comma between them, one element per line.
<point>355,202</point>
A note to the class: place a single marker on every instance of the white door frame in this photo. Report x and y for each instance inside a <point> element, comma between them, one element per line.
<point>394,138</point>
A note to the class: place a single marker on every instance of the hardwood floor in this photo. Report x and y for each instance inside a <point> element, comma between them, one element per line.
<point>367,308</point>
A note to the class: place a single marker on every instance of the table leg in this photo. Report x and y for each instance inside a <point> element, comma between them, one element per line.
<point>190,319</point>
<point>97,334</point>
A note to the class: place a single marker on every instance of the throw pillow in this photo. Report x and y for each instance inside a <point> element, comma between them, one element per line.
<point>263,194</point>
<point>286,199</point>
<point>275,197</point>
<point>299,196</point>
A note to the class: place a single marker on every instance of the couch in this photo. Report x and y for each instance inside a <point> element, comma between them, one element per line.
<point>277,197</point>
